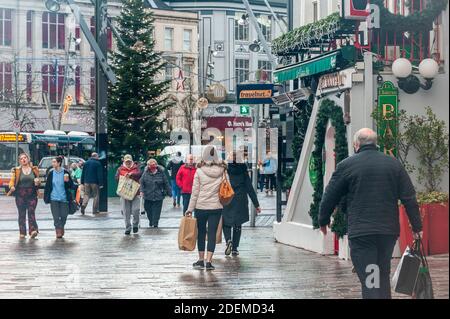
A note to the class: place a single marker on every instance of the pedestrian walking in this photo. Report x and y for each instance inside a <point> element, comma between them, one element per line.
<point>154,187</point>
<point>237,213</point>
<point>76,172</point>
<point>92,180</point>
<point>24,185</point>
<point>58,193</point>
<point>372,183</point>
<point>173,167</point>
<point>130,169</point>
<point>185,180</point>
<point>206,204</point>
<point>270,167</point>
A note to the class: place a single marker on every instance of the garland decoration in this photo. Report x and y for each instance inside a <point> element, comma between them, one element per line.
<point>329,111</point>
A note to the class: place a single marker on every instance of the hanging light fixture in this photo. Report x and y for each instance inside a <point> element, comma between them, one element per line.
<point>53,5</point>
<point>410,83</point>
<point>255,46</point>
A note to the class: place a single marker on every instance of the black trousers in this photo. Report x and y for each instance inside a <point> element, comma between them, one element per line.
<point>270,181</point>
<point>186,200</point>
<point>235,238</point>
<point>153,210</point>
<point>207,223</point>
<point>371,255</point>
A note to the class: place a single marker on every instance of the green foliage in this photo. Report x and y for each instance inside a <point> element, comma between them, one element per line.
<point>428,135</point>
<point>432,198</point>
<point>136,101</point>
<point>329,111</point>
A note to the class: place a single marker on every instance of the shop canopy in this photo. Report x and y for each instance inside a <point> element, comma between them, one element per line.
<point>324,63</point>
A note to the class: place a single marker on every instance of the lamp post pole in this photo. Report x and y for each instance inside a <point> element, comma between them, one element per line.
<point>101,118</point>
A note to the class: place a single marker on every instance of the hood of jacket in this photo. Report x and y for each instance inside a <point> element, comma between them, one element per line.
<point>237,168</point>
<point>213,170</point>
<point>177,159</point>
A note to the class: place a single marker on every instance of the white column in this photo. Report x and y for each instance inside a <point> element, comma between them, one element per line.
<point>36,45</point>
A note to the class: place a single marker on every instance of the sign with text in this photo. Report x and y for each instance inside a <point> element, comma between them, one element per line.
<point>254,93</point>
<point>388,110</point>
<point>5,137</point>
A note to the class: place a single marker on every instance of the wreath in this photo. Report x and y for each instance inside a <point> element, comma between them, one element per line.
<point>329,111</point>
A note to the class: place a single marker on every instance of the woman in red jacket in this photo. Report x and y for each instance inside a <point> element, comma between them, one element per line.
<point>131,170</point>
<point>185,180</point>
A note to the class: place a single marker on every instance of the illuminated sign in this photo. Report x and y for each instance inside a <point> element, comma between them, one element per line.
<point>254,93</point>
<point>11,138</point>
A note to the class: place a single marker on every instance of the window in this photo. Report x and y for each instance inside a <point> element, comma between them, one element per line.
<point>266,27</point>
<point>5,81</point>
<point>53,81</point>
<point>267,67</point>
<point>242,67</point>
<point>5,27</point>
<point>187,40</point>
<point>92,84</point>
<point>187,72</point>
<point>108,34</point>
<point>29,82</point>
<point>77,36</point>
<point>168,39</point>
<point>78,85</point>
<point>29,29</point>
<point>168,71</point>
<point>53,31</point>
<point>241,32</point>
<point>315,11</point>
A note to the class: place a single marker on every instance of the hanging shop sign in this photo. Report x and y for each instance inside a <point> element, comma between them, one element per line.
<point>336,81</point>
<point>388,109</point>
<point>254,93</point>
<point>217,93</point>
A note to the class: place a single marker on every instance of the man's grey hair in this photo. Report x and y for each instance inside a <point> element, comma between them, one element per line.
<point>365,136</point>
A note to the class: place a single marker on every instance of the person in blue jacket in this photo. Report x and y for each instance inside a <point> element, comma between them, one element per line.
<point>92,181</point>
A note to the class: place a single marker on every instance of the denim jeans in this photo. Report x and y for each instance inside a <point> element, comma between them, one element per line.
<point>186,200</point>
<point>176,193</point>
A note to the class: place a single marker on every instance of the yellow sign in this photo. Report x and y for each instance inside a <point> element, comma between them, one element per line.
<point>11,138</point>
<point>255,94</point>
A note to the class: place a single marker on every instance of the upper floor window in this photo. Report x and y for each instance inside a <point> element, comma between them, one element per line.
<point>29,29</point>
<point>5,81</point>
<point>187,40</point>
<point>53,31</point>
<point>168,39</point>
<point>241,32</point>
<point>53,81</point>
<point>265,66</point>
<point>108,34</point>
<point>266,27</point>
<point>5,27</point>
<point>242,67</point>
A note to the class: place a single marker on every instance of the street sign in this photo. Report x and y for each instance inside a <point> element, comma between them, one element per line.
<point>244,109</point>
<point>254,93</point>
<point>388,108</point>
<point>16,126</point>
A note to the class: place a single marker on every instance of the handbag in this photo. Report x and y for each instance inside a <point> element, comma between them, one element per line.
<point>405,277</point>
<point>73,207</point>
<point>127,188</point>
<point>226,192</point>
<point>424,284</point>
<point>187,234</point>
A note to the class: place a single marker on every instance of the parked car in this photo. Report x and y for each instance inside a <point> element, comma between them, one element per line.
<point>46,164</point>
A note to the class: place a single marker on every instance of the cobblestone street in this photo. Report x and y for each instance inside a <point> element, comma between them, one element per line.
<point>103,263</point>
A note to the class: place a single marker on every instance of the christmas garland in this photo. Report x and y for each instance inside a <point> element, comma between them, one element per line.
<point>329,111</point>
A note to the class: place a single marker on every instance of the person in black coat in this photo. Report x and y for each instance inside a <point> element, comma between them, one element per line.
<point>372,184</point>
<point>58,193</point>
<point>237,213</point>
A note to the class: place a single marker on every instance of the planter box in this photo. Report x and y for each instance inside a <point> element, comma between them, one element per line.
<point>435,229</point>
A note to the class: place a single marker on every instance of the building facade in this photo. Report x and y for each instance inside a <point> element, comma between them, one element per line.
<point>44,57</point>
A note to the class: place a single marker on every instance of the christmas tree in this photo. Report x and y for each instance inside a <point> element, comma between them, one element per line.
<point>138,98</point>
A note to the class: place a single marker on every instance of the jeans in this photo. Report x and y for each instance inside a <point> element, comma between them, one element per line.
<point>270,182</point>
<point>236,238</point>
<point>91,191</point>
<point>261,181</point>
<point>176,192</point>
<point>153,210</point>
<point>207,222</point>
<point>26,202</point>
<point>186,200</point>
<point>60,211</point>
<point>130,208</point>
<point>370,250</point>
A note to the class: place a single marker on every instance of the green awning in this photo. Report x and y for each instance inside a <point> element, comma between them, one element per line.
<point>316,65</point>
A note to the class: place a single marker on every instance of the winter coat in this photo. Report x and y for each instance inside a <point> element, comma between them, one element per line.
<point>205,190</point>
<point>15,178</point>
<point>174,165</point>
<point>69,186</point>
<point>237,213</point>
<point>373,183</point>
<point>155,186</point>
<point>92,172</point>
<point>185,178</point>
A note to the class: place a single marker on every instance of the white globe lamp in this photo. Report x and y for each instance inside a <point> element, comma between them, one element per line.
<point>428,68</point>
<point>402,68</point>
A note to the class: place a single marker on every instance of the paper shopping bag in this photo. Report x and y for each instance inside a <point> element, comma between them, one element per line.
<point>187,234</point>
<point>127,188</point>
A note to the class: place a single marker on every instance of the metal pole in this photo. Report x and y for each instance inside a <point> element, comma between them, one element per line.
<point>279,174</point>
<point>16,102</point>
<point>274,15</point>
<point>255,162</point>
<point>101,24</point>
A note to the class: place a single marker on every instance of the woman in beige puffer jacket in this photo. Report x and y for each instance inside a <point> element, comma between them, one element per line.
<point>206,204</point>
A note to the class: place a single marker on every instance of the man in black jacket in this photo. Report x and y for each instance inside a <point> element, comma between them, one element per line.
<point>92,180</point>
<point>372,184</point>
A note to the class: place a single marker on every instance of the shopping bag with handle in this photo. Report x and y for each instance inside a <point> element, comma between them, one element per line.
<point>405,276</point>
<point>127,188</point>
<point>187,234</point>
<point>424,284</point>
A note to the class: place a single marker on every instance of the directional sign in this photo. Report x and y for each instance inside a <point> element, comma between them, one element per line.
<point>244,109</point>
